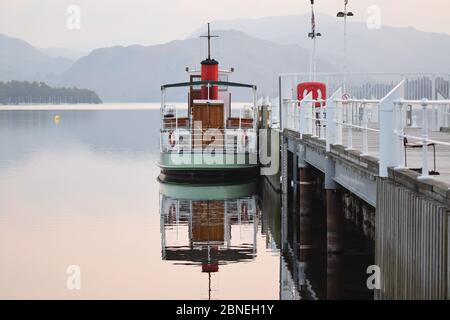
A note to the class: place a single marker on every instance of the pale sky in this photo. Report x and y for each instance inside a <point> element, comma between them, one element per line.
<point>125,22</point>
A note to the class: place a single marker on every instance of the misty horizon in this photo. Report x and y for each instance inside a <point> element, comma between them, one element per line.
<point>105,24</point>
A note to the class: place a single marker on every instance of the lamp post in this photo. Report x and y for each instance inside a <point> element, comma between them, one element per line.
<point>313,35</point>
<point>344,14</point>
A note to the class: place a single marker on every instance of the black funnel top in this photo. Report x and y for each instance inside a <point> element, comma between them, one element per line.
<point>210,62</point>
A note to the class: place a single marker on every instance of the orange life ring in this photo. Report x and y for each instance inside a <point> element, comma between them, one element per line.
<point>172,140</point>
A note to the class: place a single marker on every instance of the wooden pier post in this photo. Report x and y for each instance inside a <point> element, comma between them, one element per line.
<point>335,221</point>
<point>305,209</point>
<point>305,206</point>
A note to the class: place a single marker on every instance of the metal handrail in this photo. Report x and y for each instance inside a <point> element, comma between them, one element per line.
<point>408,136</point>
<point>424,138</point>
<point>386,111</point>
<point>228,139</point>
<point>208,83</point>
<point>363,74</point>
<point>420,102</point>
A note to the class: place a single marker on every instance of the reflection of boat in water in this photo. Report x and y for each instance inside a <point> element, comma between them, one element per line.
<point>208,225</point>
<point>210,133</point>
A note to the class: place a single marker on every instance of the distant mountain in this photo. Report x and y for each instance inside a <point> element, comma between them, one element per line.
<point>55,52</point>
<point>386,50</point>
<point>258,49</point>
<point>21,61</point>
<point>136,73</point>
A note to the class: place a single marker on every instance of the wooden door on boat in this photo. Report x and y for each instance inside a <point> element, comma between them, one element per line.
<point>211,116</point>
<point>207,116</point>
<point>215,116</point>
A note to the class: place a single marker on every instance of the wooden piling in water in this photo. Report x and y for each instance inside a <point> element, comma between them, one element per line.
<point>335,221</point>
<point>305,200</point>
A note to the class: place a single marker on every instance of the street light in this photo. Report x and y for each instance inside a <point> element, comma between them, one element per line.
<point>344,14</point>
<point>313,35</point>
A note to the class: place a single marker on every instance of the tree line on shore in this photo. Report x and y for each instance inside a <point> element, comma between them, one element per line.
<point>25,92</point>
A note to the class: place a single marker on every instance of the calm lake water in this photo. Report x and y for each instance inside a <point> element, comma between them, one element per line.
<point>81,190</point>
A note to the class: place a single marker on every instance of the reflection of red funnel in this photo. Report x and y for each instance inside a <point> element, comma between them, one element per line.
<point>207,267</point>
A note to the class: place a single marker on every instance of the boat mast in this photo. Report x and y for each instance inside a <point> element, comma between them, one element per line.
<point>209,36</point>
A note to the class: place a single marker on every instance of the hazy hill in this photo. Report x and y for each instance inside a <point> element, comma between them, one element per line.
<point>55,52</point>
<point>21,61</point>
<point>136,73</point>
<point>259,51</point>
<point>385,50</point>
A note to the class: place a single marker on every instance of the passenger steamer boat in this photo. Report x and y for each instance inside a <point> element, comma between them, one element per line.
<point>211,134</point>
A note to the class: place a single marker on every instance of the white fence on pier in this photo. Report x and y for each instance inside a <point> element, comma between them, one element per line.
<point>377,112</point>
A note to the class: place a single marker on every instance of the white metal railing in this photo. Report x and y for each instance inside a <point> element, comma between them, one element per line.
<point>389,117</point>
<point>356,115</point>
<point>446,116</point>
<point>247,112</point>
<point>228,140</point>
<point>374,85</point>
<point>275,113</point>
<point>174,112</point>
<point>315,116</point>
<point>424,138</point>
<point>190,136</point>
<point>291,114</point>
<point>176,213</point>
<point>181,209</point>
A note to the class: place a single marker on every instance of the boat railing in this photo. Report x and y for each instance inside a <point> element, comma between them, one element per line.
<point>174,117</point>
<point>178,211</point>
<point>171,118</point>
<point>231,141</point>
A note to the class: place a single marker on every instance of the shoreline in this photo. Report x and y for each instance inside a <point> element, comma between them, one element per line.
<point>75,107</point>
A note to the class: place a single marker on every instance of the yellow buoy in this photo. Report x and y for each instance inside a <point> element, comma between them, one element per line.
<point>57,119</point>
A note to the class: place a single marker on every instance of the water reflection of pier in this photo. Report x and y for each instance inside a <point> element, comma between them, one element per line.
<point>307,270</point>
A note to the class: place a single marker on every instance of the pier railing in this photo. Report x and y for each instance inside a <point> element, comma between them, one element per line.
<point>411,112</point>
<point>372,85</point>
<point>438,109</point>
